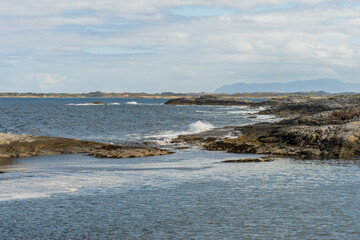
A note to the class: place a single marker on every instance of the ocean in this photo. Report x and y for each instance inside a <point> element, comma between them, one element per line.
<point>187,195</point>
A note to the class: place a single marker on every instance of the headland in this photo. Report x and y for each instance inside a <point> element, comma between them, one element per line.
<point>309,128</point>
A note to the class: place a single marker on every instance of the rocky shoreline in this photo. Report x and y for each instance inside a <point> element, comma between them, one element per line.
<point>14,146</point>
<point>312,128</point>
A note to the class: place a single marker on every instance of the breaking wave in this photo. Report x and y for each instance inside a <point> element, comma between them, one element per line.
<point>165,137</point>
<point>91,104</point>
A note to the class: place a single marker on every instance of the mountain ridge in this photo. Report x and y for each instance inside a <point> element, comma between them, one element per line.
<point>328,85</point>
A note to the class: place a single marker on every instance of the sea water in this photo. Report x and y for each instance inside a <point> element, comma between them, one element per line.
<point>187,195</point>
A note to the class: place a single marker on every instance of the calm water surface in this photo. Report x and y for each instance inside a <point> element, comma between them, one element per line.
<point>187,195</point>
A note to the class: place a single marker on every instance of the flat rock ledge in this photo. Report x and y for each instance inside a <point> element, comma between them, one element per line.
<point>111,151</point>
<point>13,146</point>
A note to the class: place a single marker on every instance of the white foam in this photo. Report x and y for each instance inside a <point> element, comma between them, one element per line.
<point>230,135</point>
<point>82,104</point>
<point>236,107</point>
<point>243,112</point>
<point>268,118</point>
<point>21,196</point>
<point>132,103</point>
<point>200,126</point>
<point>165,137</point>
<point>199,111</point>
<point>92,104</point>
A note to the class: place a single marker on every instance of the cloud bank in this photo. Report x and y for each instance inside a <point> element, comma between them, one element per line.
<point>181,46</point>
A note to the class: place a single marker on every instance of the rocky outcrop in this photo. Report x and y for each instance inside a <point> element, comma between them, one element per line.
<point>211,100</point>
<point>333,134</point>
<point>311,131</point>
<point>331,141</point>
<point>298,105</point>
<point>294,105</point>
<point>12,145</point>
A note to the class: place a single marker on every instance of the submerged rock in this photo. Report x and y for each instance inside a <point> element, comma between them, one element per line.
<point>98,103</point>
<point>243,160</point>
<point>111,151</point>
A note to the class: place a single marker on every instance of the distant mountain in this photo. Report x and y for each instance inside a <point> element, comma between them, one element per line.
<point>323,84</point>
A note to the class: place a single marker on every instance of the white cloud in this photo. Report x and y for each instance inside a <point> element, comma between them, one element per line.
<point>265,40</point>
<point>47,81</point>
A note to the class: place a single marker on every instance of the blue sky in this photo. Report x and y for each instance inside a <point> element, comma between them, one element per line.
<point>179,46</point>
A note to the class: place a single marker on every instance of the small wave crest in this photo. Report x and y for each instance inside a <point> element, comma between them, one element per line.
<point>200,126</point>
<point>165,137</point>
<point>242,112</point>
<point>132,103</point>
<point>91,104</point>
<point>82,104</point>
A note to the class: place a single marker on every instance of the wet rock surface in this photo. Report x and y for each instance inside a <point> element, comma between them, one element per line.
<point>329,141</point>
<point>112,151</point>
<point>314,129</point>
<point>243,160</point>
<point>12,146</point>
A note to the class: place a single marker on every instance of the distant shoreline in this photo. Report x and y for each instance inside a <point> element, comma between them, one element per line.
<point>86,97</point>
<point>165,95</point>
<point>75,96</point>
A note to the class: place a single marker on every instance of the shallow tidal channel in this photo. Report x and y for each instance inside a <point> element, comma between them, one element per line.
<point>187,195</point>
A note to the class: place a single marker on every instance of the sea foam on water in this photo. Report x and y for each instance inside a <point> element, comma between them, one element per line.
<point>200,126</point>
<point>166,137</point>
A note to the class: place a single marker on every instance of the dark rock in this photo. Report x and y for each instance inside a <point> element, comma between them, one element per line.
<point>112,151</point>
<point>243,160</point>
<point>211,100</point>
<point>98,103</point>
<point>306,141</point>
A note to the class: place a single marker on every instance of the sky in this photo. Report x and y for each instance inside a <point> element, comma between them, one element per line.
<point>154,46</point>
